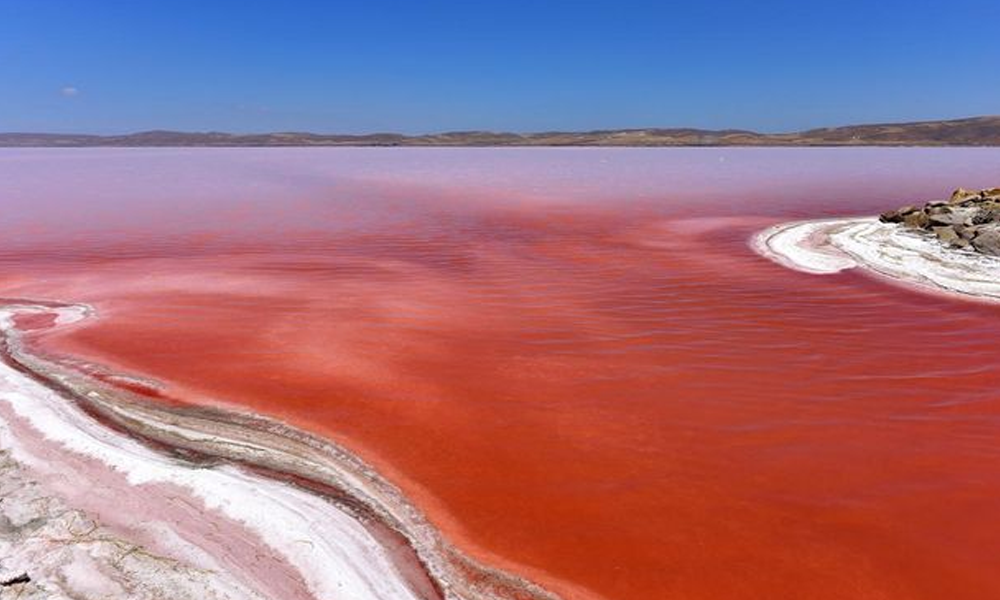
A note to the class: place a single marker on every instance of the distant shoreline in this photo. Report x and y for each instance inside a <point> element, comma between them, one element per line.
<point>970,132</point>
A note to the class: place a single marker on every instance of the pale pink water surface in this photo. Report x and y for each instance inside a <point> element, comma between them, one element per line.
<point>569,358</point>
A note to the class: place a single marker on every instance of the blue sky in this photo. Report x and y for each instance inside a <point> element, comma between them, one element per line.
<point>109,66</point>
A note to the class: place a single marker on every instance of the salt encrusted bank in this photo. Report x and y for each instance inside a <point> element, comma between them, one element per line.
<point>950,246</point>
<point>109,496</point>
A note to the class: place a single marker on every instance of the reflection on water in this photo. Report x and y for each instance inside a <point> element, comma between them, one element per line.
<point>570,358</point>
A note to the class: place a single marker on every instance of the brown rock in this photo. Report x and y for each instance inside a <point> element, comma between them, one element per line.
<point>980,216</point>
<point>961,195</point>
<point>891,216</point>
<point>989,212</point>
<point>987,241</point>
<point>916,220</point>
<point>967,233</point>
<point>896,216</point>
<point>948,215</point>
<point>946,234</point>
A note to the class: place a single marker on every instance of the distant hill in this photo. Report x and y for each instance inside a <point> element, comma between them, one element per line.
<point>977,131</point>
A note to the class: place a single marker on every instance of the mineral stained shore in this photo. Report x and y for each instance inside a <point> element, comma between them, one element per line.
<point>105,494</point>
<point>947,246</point>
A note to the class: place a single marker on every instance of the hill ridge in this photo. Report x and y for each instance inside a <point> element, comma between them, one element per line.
<point>970,131</point>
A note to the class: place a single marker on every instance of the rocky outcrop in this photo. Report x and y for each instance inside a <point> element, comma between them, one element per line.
<point>968,220</point>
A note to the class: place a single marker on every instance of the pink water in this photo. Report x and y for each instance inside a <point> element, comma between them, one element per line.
<point>569,358</point>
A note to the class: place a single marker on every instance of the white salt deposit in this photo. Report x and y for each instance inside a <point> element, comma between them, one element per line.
<point>888,249</point>
<point>334,553</point>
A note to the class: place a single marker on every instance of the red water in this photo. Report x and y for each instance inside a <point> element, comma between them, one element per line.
<point>569,358</point>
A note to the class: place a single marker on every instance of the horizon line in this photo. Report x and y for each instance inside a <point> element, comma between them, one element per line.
<point>983,130</point>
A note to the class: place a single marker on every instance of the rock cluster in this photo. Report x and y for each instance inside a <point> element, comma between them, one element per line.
<point>968,219</point>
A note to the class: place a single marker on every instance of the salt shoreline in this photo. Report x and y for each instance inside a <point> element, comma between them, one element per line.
<point>885,249</point>
<point>253,508</point>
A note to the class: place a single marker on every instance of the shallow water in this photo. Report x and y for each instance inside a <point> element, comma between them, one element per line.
<point>571,359</point>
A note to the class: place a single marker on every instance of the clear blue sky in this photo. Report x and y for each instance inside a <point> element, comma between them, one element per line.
<point>110,66</point>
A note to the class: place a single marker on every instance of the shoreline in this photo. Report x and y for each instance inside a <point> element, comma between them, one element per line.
<point>333,525</point>
<point>969,131</point>
<point>828,246</point>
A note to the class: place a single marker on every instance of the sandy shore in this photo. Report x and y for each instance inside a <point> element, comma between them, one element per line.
<point>107,493</point>
<point>886,249</point>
